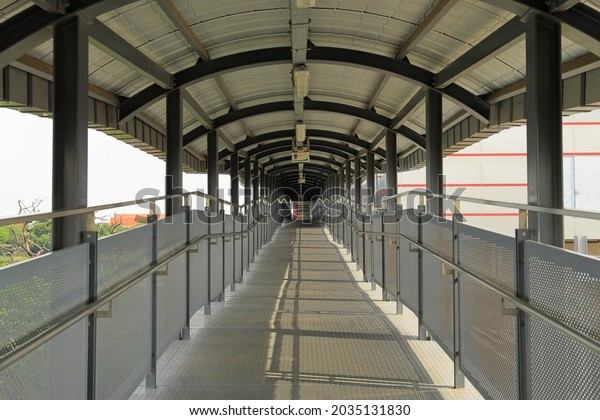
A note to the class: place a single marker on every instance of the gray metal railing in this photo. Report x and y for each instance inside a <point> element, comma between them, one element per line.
<point>515,301</point>
<point>258,229</point>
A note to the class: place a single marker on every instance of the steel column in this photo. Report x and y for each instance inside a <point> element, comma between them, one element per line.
<point>213,170</point>
<point>235,183</point>
<point>70,142</point>
<point>91,237</point>
<point>433,151</point>
<point>247,184</point>
<point>370,177</point>
<point>357,181</point>
<point>174,181</point>
<point>544,127</point>
<point>255,183</point>
<point>391,169</point>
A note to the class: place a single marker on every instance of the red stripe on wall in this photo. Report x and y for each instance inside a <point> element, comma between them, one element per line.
<point>575,123</point>
<point>569,154</point>
<point>467,185</point>
<point>485,214</point>
<point>488,155</point>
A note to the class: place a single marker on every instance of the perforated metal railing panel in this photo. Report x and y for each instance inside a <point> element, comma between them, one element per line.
<point>124,337</point>
<point>567,286</point>
<point>238,269</point>
<point>377,227</point>
<point>199,263</point>
<point>216,257</point>
<point>437,235</point>
<point>171,234</point>
<point>123,255</point>
<point>123,343</point>
<point>33,295</point>
<point>228,262</point>
<point>488,339</point>
<point>409,263</point>
<point>438,303</point>
<point>368,265</point>
<point>390,225</point>
<point>170,282</point>
<point>171,303</point>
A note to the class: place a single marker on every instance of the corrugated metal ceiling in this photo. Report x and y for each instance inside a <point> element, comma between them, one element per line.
<point>225,27</point>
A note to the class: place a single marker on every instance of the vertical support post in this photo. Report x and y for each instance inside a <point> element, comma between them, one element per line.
<point>91,237</point>
<point>247,184</point>
<point>235,184</point>
<point>544,127</point>
<point>391,169</point>
<point>370,179</point>
<point>459,376</point>
<point>212,158</point>
<point>70,142</point>
<point>524,338</point>
<point>174,181</point>
<point>433,152</point>
<point>357,182</point>
<point>261,225</point>
<point>185,333</point>
<point>348,173</point>
<point>255,198</point>
<point>151,377</point>
<point>422,333</point>
<point>347,207</point>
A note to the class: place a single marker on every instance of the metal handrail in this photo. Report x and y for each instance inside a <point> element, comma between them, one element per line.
<point>583,214</point>
<point>556,323</point>
<point>9,220</point>
<point>13,356</point>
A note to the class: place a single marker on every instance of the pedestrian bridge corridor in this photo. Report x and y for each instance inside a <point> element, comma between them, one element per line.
<point>304,325</point>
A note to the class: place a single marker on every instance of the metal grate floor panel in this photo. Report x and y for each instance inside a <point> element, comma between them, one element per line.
<point>301,326</point>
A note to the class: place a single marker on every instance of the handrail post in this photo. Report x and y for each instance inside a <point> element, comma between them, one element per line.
<point>522,235</point>
<point>459,376</point>
<point>207,307</point>
<point>185,333</point>
<point>422,333</point>
<point>90,236</point>
<point>398,218</point>
<point>151,377</point>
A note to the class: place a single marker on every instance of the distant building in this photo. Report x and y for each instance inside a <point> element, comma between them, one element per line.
<point>130,220</point>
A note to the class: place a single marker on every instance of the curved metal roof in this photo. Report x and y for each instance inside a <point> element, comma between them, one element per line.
<point>234,56</point>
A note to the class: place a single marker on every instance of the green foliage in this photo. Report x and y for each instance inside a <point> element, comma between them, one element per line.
<point>106,229</point>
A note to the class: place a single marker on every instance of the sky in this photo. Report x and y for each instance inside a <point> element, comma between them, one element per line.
<point>117,171</point>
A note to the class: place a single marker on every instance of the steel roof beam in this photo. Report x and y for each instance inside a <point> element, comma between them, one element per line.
<point>112,44</point>
<point>52,6</point>
<point>285,147</point>
<point>194,107</point>
<point>308,168</point>
<point>169,9</point>
<point>401,117</point>
<point>562,5</point>
<point>33,26</point>
<point>431,19</point>
<point>339,149</point>
<point>282,55</point>
<point>287,159</point>
<point>282,106</point>
<point>502,39</point>
<point>333,135</point>
<point>284,156</point>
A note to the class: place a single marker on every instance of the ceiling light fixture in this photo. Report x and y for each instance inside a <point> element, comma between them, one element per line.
<point>301,82</point>
<point>300,132</point>
<point>305,4</point>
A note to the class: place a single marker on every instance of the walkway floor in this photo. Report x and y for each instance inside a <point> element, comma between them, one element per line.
<point>304,326</point>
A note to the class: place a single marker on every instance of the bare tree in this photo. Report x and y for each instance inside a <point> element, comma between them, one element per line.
<point>26,238</point>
